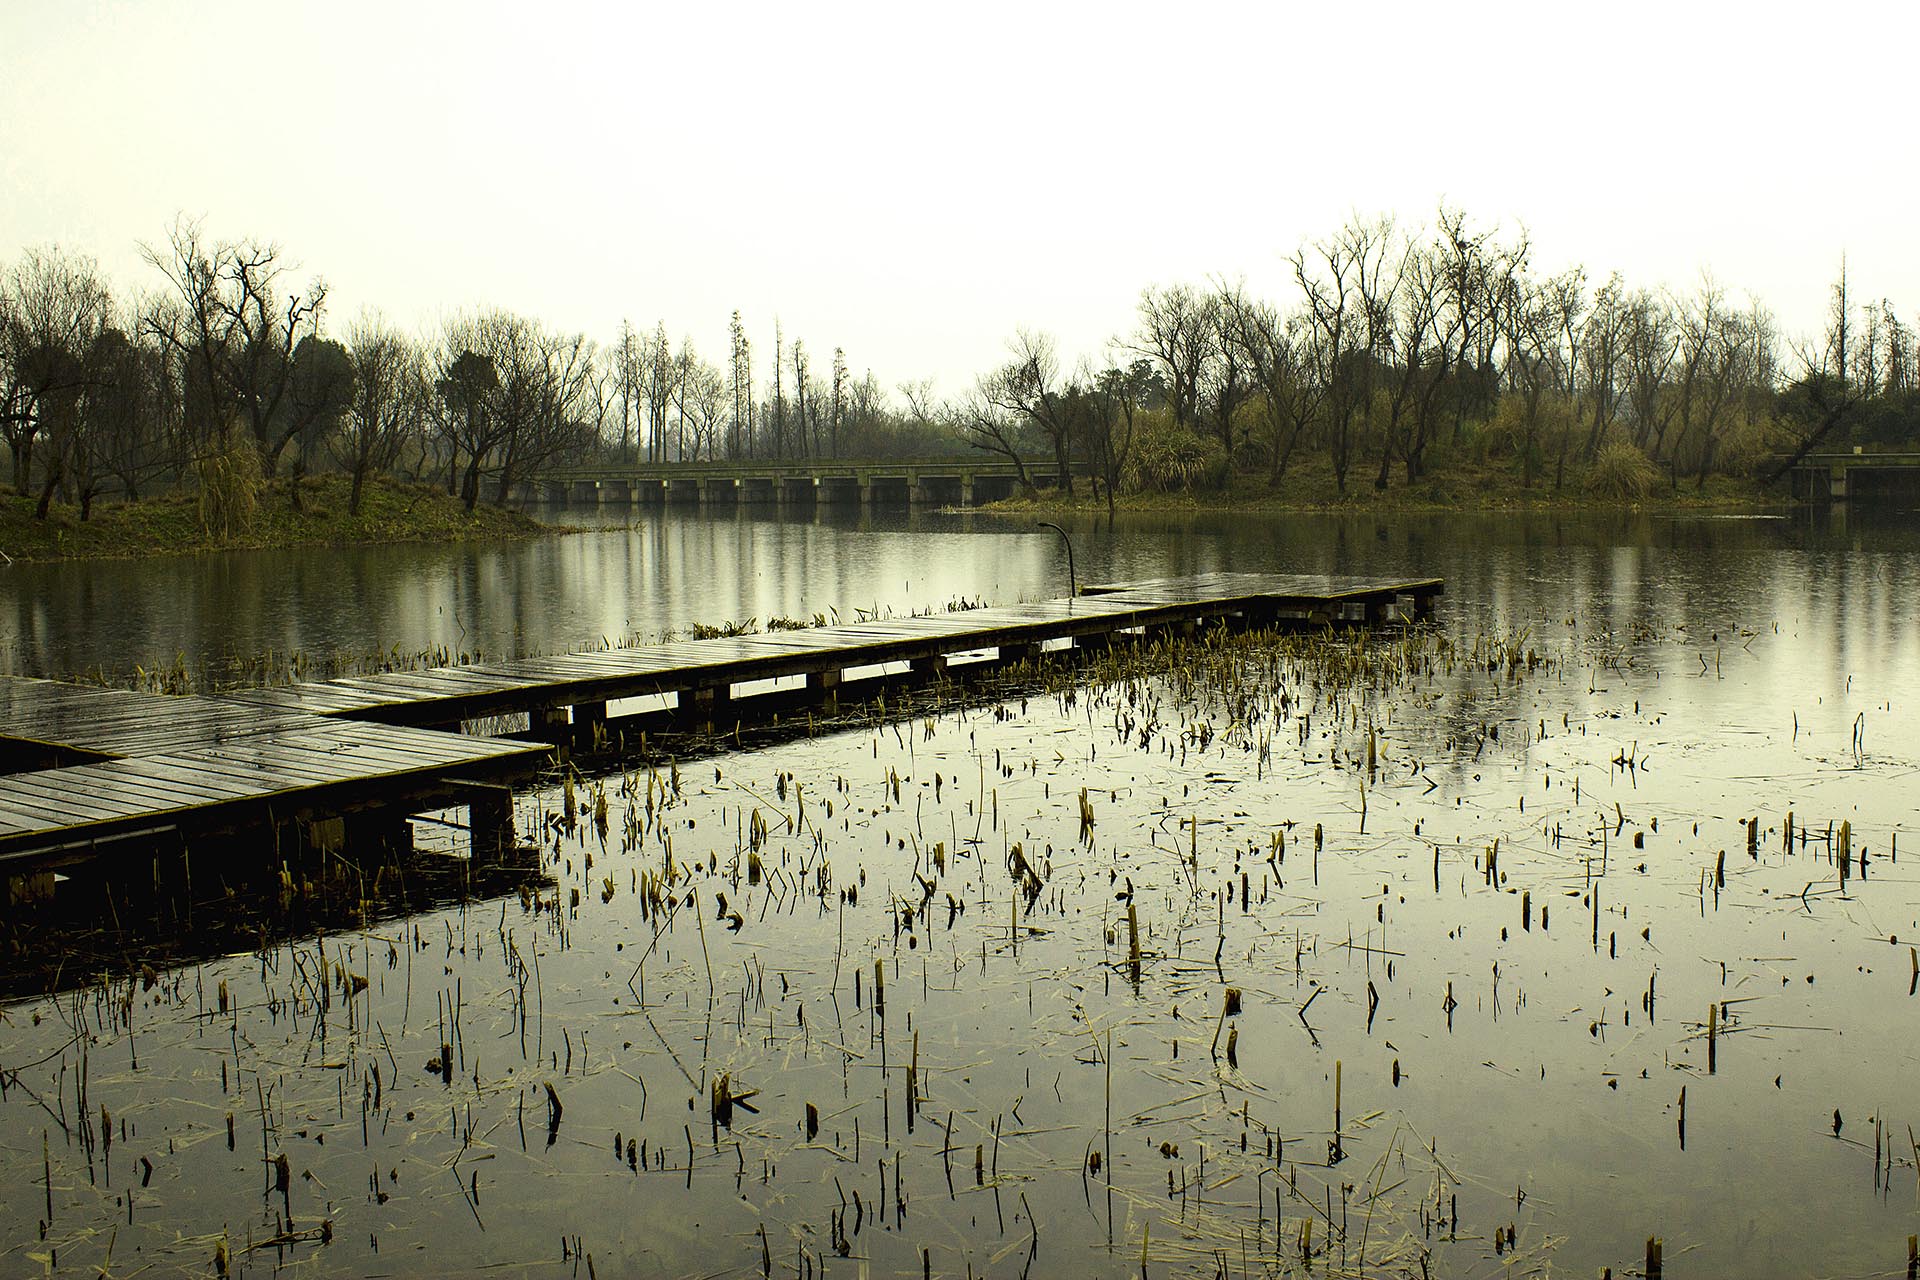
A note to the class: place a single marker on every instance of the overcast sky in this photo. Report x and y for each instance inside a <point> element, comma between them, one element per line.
<point>914,181</point>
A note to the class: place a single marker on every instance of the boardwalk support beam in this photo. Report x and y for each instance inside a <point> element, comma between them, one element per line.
<point>706,704</point>
<point>823,687</point>
<point>489,818</point>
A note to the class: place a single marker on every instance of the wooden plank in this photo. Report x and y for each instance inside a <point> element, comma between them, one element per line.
<point>92,805</point>
<point>316,698</point>
<point>131,741</point>
<point>260,776</point>
<point>162,778</point>
<point>24,807</point>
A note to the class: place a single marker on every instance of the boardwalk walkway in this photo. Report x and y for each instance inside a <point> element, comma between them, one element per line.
<point>706,670</point>
<point>94,768</point>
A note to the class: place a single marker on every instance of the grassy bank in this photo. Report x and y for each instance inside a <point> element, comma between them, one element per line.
<point>172,523</point>
<point>1310,486</point>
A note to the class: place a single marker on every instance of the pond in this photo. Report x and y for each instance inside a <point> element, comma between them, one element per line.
<point>1477,950</point>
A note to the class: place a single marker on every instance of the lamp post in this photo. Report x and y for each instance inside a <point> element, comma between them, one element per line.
<point>1073,586</point>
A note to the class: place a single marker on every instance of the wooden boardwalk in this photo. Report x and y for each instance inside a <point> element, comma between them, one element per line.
<point>150,765</point>
<point>101,767</point>
<point>706,671</point>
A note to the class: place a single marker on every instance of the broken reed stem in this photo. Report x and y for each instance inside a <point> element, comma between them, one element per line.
<point>700,920</point>
<point>1133,942</point>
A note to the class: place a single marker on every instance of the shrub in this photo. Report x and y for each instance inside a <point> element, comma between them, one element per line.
<point>1621,471</point>
<point>1167,458</point>
<point>230,484</point>
<point>1751,445</point>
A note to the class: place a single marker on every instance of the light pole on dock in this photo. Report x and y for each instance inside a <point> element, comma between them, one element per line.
<point>1073,587</point>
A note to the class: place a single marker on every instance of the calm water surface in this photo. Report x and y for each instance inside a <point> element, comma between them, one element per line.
<point>1509,1044</point>
<point>671,569</point>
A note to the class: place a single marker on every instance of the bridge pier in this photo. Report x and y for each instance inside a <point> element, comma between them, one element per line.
<point>876,490</point>
<point>991,488</point>
<point>940,490</point>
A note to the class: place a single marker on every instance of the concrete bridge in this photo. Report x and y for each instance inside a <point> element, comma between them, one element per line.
<point>953,481</point>
<point>1836,477</point>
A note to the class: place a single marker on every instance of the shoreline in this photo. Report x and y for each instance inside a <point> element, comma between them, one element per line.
<point>170,525</point>
<point>1446,495</point>
<point>397,514</point>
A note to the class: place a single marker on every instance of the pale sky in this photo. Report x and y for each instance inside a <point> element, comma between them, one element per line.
<point>914,181</point>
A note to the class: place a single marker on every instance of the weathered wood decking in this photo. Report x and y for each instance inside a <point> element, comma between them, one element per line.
<point>707,670</point>
<point>149,765</point>
<point>105,767</point>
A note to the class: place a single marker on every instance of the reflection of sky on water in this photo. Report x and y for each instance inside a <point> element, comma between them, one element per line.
<point>1839,587</point>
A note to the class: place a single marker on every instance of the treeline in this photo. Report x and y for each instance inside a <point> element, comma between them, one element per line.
<point>1401,351</point>
<point>1397,352</point>
<point>226,373</point>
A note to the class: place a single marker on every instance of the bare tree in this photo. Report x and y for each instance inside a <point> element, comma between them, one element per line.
<point>545,401</point>
<point>740,383</point>
<point>628,386</point>
<point>1832,400</point>
<point>1029,387</point>
<point>838,402</point>
<point>1226,383</point>
<point>57,309</point>
<point>1533,320</point>
<point>704,402</point>
<point>465,383</point>
<point>779,424</point>
<point>126,412</point>
<point>1651,343</point>
<point>800,387</point>
<point>1336,277</point>
<point>1110,400</point>
<point>1713,363</point>
<point>236,328</point>
<point>1602,342</point>
<point>658,370</point>
<point>982,420</point>
<point>918,394</point>
<point>389,399</point>
<point>1277,352</point>
<point>1179,328</point>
